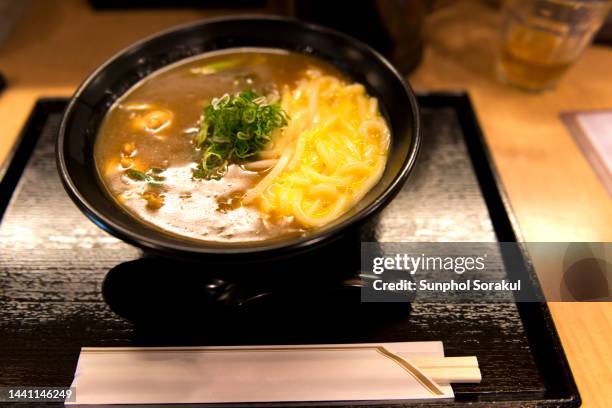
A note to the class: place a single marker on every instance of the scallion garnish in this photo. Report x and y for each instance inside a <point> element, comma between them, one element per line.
<point>154,178</point>
<point>233,129</point>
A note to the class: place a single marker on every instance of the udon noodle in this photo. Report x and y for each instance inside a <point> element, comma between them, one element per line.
<point>332,152</point>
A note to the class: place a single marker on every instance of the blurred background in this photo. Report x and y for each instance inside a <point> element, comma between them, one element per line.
<point>548,34</point>
<point>392,27</point>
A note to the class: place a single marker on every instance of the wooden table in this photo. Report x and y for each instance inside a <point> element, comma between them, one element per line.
<point>554,192</point>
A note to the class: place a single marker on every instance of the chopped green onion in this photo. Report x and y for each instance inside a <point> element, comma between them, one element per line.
<point>215,67</point>
<point>154,178</point>
<point>233,129</point>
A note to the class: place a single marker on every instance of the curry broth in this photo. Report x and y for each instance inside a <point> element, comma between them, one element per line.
<point>151,129</point>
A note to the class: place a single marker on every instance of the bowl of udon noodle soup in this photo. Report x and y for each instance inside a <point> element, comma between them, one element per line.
<point>238,137</point>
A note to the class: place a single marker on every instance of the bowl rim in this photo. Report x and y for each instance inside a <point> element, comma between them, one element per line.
<point>150,242</point>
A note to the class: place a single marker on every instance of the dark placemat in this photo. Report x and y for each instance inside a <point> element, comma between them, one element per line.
<point>53,262</point>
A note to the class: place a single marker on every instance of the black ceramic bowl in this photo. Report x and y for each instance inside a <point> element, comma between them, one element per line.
<point>95,96</point>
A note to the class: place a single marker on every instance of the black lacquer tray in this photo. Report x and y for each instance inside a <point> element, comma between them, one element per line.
<point>53,263</point>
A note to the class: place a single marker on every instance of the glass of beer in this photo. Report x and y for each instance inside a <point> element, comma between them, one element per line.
<point>542,38</point>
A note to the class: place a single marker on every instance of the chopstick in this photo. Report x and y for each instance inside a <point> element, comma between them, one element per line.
<point>447,369</point>
<point>453,375</point>
<point>468,361</point>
